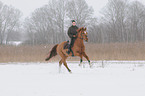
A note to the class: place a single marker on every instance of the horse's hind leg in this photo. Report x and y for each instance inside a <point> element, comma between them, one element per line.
<point>63,60</point>
<point>65,64</point>
<point>60,63</point>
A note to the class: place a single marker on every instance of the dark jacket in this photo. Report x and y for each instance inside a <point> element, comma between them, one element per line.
<point>72,31</point>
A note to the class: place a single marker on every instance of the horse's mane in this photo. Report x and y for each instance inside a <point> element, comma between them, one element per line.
<point>80,29</point>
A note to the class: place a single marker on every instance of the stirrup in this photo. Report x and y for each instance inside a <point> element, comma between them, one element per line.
<point>68,52</point>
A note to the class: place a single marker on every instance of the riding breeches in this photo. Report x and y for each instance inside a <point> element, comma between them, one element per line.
<point>72,42</point>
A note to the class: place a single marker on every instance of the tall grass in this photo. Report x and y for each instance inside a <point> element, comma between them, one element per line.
<point>115,51</point>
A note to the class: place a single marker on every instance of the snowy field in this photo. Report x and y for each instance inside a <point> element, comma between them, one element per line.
<point>107,78</point>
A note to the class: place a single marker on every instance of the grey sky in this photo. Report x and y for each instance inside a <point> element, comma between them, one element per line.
<point>28,6</point>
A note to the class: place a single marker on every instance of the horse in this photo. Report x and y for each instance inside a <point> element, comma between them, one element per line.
<point>78,49</point>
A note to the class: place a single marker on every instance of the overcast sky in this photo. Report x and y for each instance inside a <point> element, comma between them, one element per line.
<point>28,6</point>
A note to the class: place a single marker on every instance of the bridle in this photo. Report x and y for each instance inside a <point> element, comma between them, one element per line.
<point>82,35</point>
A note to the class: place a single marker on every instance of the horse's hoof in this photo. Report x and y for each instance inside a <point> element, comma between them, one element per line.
<point>69,71</point>
<point>80,64</point>
<point>83,66</point>
<point>91,65</point>
<point>46,59</point>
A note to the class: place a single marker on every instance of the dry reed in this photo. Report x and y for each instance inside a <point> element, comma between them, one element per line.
<point>115,51</point>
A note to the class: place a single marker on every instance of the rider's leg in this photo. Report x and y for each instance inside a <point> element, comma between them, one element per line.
<point>71,45</point>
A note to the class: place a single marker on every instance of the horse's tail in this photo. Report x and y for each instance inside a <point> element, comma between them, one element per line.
<point>53,53</point>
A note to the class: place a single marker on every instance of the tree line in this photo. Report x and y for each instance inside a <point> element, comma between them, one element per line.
<point>120,21</point>
<point>49,24</point>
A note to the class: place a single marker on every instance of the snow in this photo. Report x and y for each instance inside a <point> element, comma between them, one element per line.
<point>44,79</point>
<point>16,43</point>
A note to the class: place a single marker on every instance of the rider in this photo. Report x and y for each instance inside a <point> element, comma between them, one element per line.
<point>72,32</point>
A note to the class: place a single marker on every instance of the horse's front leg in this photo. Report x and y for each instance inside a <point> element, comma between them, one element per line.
<point>85,55</point>
<point>81,60</point>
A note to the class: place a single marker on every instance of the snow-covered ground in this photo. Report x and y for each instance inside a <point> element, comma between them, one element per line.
<point>117,78</point>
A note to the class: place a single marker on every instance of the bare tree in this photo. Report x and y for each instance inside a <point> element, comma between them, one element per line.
<point>46,24</point>
<point>9,21</point>
<point>115,15</point>
<point>58,12</point>
<point>80,11</point>
<point>136,21</point>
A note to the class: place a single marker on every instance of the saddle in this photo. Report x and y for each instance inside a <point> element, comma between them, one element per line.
<point>66,45</point>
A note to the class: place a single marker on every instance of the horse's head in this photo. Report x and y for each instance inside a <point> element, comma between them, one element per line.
<point>82,34</point>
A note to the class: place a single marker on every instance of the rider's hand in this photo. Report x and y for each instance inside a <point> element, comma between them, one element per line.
<point>74,35</point>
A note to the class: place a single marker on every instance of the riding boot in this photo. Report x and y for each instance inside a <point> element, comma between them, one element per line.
<point>69,49</point>
<point>71,45</point>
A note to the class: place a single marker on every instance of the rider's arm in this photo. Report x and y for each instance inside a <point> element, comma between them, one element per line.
<point>70,33</point>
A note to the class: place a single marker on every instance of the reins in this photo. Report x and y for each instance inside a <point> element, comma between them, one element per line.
<point>81,36</point>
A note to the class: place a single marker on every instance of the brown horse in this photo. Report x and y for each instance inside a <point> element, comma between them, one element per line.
<point>78,49</point>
